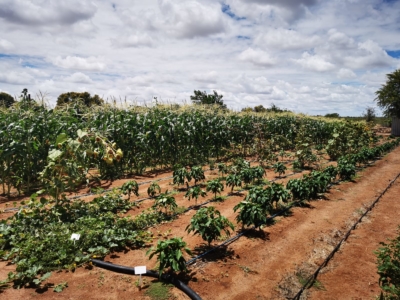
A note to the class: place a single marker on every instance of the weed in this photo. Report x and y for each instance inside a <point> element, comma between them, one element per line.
<point>159,291</point>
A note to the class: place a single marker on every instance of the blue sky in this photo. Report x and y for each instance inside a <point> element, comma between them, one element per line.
<point>309,56</point>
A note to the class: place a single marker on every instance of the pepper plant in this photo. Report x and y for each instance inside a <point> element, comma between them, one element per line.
<point>165,201</point>
<point>208,223</point>
<point>195,192</point>
<point>153,188</point>
<point>215,186</point>
<point>170,255</point>
<point>130,187</point>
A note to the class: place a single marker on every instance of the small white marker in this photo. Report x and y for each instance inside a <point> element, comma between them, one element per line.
<point>139,271</point>
<point>75,237</point>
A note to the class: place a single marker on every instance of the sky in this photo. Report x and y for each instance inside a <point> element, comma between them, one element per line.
<point>308,56</point>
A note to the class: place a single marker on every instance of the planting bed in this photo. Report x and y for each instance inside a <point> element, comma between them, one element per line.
<point>262,264</point>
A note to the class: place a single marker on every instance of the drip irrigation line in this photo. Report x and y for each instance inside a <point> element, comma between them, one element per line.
<point>131,271</point>
<point>313,277</point>
<point>232,239</point>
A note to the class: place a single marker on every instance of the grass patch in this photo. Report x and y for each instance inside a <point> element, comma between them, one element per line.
<point>159,290</point>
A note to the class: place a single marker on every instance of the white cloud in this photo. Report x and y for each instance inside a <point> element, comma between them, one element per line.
<point>16,78</point>
<point>257,57</point>
<point>134,40</point>
<point>46,12</point>
<point>79,77</point>
<point>291,53</point>
<point>346,74</point>
<point>79,63</point>
<point>210,77</point>
<point>285,39</point>
<point>6,45</point>
<point>314,63</point>
<point>188,19</point>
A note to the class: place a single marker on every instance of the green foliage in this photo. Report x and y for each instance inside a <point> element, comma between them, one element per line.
<point>195,192</point>
<point>153,188</point>
<point>279,168</point>
<point>165,201</point>
<point>332,115</point>
<point>346,168</point>
<point>179,176</point>
<point>130,187</point>
<point>261,197</point>
<point>247,175</point>
<point>250,214</point>
<point>388,260</point>
<point>369,114</point>
<point>204,98</point>
<point>197,173</point>
<point>158,291</point>
<point>215,186</point>
<point>233,180</point>
<point>278,193</point>
<point>208,223</point>
<point>388,96</point>
<point>37,238</point>
<point>6,100</point>
<point>170,255</point>
<point>84,98</point>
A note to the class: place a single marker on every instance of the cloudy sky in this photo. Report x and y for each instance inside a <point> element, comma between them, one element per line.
<point>310,56</point>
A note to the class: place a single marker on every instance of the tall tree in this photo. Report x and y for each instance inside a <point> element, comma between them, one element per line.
<point>388,96</point>
<point>6,100</point>
<point>82,98</point>
<point>204,98</point>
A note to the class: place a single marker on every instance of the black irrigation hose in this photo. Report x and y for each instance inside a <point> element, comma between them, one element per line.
<point>313,277</point>
<point>131,271</point>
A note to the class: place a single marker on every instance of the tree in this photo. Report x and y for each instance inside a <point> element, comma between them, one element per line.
<point>82,98</point>
<point>6,100</point>
<point>388,96</point>
<point>204,98</point>
<point>332,115</point>
<point>369,114</point>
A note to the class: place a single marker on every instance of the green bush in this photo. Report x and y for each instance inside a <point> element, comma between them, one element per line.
<point>389,268</point>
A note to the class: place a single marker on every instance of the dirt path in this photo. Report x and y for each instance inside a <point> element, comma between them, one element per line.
<point>354,268</point>
<point>255,266</point>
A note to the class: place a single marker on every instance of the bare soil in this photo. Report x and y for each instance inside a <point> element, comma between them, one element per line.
<point>264,264</point>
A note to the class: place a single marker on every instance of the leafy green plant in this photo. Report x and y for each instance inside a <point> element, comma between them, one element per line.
<point>153,188</point>
<point>247,175</point>
<point>260,196</point>
<point>258,173</point>
<point>278,193</point>
<point>165,201</point>
<point>346,169</point>
<point>179,176</point>
<point>195,192</point>
<point>279,168</point>
<point>50,248</point>
<point>388,260</point>
<point>197,173</point>
<point>250,214</point>
<point>130,187</point>
<point>215,186</point>
<point>170,255</point>
<point>234,180</point>
<point>208,223</point>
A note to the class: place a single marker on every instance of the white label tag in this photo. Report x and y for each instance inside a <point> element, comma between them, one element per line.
<point>75,236</point>
<point>140,270</point>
